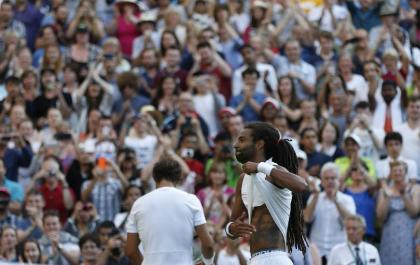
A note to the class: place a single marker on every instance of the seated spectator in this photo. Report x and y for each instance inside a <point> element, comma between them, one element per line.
<point>316,159</point>
<point>363,191</point>
<point>143,138</point>
<point>131,194</point>
<point>303,74</point>
<point>331,207</point>
<point>14,188</point>
<point>371,137</point>
<point>393,143</point>
<point>52,96</point>
<point>148,37</point>
<point>104,190</point>
<point>308,118</point>
<point>93,93</point>
<point>329,136</point>
<point>289,102</point>
<point>89,249</point>
<point>58,246</point>
<point>56,191</point>
<point>388,113</point>
<point>223,153</point>
<point>351,148</point>
<point>269,110</point>
<point>103,231</point>
<point>30,225</point>
<point>214,197</point>
<point>249,102</point>
<point>6,217</point>
<point>166,96</point>
<point>210,62</point>
<point>355,250</point>
<point>266,73</point>
<point>15,152</point>
<point>81,50</point>
<point>31,252</point>
<point>8,244</point>
<point>208,101</point>
<point>131,101</point>
<point>113,252</point>
<point>83,220</point>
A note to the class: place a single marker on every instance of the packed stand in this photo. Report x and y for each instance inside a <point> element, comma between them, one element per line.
<point>94,93</point>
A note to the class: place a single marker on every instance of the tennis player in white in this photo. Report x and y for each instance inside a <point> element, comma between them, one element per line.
<point>165,220</point>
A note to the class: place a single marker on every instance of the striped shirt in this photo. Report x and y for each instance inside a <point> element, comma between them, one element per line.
<point>106,196</point>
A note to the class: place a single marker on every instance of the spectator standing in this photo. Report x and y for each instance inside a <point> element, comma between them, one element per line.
<point>327,210</point>
<point>104,190</point>
<point>397,207</point>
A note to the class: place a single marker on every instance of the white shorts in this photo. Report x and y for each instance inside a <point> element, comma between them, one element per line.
<point>276,257</point>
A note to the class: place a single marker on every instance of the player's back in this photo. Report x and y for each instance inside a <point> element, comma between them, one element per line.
<point>165,220</point>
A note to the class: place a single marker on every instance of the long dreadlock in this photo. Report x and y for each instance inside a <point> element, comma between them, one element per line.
<point>282,153</point>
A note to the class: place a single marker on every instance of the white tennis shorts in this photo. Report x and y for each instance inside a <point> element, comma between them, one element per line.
<point>276,257</point>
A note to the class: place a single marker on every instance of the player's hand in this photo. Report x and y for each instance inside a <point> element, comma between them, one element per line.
<point>241,229</point>
<point>250,167</point>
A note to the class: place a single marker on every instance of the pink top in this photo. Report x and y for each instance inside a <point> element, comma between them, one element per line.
<point>126,33</point>
<point>205,196</point>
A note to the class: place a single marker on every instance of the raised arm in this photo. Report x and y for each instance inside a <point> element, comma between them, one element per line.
<point>278,176</point>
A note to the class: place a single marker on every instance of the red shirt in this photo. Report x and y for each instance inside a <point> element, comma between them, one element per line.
<point>54,200</point>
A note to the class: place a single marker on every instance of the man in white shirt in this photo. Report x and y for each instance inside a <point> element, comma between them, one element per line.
<point>354,251</point>
<point>411,132</point>
<point>326,211</point>
<point>165,221</point>
<point>303,74</point>
<point>141,140</point>
<point>393,144</point>
<point>266,72</point>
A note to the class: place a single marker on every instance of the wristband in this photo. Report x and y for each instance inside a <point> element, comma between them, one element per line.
<point>227,230</point>
<point>265,168</point>
<point>207,261</point>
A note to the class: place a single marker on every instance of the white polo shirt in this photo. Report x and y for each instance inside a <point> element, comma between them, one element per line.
<point>345,254</point>
<point>165,220</point>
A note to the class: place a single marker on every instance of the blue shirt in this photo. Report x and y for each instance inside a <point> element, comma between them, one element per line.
<point>365,206</point>
<point>230,50</point>
<point>31,17</point>
<point>15,158</point>
<point>15,189</point>
<point>317,158</point>
<point>248,113</point>
<point>365,19</point>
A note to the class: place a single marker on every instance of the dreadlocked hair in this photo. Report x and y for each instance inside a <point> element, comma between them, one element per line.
<point>283,154</point>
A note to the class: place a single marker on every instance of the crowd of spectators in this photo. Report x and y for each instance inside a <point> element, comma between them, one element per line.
<point>95,92</point>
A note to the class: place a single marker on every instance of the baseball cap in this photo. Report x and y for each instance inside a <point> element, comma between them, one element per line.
<point>355,138</point>
<point>273,102</point>
<point>227,110</point>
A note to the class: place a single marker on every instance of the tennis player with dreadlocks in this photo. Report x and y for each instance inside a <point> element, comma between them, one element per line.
<point>268,194</point>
